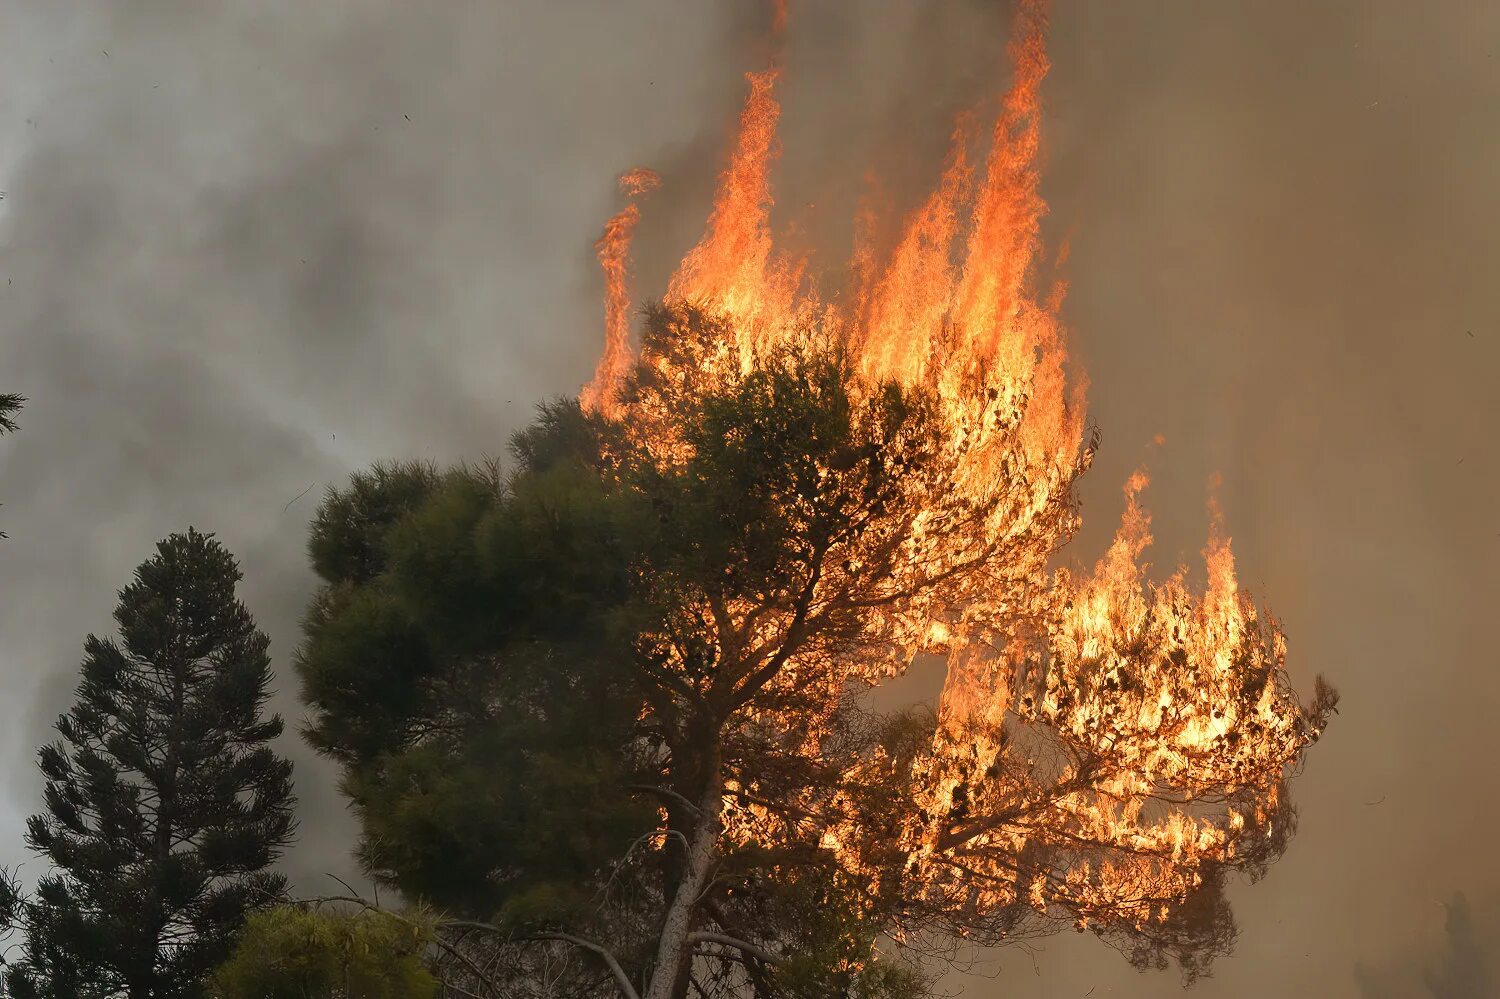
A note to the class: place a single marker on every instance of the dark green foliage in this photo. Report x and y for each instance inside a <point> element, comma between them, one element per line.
<point>517,672</point>
<point>165,803</point>
<point>10,404</point>
<point>561,437</point>
<point>462,663</point>
<point>292,953</point>
<point>350,525</point>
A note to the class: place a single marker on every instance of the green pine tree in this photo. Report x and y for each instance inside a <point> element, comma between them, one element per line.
<point>10,404</point>
<point>165,803</point>
<point>459,666</point>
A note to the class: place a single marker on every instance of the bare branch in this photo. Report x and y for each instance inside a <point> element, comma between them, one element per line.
<point>755,951</point>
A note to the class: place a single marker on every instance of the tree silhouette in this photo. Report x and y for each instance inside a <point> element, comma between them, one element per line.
<point>164,802</point>
<point>1463,971</point>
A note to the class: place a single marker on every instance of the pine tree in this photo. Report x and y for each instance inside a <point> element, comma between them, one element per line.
<point>10,404</point>
<point>165,803</point>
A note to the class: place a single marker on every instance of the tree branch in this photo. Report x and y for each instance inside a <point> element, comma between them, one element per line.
<point>757,952</point>
<point>621,979</point>
<point>666,792</point>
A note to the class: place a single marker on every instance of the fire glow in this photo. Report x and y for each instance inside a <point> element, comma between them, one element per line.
<point>1103,741</point>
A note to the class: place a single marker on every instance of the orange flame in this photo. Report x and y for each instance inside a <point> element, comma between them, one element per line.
<point>910,303</point>
<point>735,269</point>
<point>1142,696</point>
<point>600,395</point>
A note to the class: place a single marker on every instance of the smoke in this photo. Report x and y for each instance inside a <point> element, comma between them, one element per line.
<point>247,250</point>
<point>1464,968</point>
<point>244,252</point>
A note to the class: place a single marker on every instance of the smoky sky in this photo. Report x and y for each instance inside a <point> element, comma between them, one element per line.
<point>1462,968</point>
<point>248,249</point>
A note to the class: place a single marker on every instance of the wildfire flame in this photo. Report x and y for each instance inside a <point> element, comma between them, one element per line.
<point>1103,740</point>
<point>614,252</point>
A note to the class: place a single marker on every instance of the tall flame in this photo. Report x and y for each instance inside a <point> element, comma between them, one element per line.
<point>735,269</point>
<point>613,247</point>
<point>1131,698</point>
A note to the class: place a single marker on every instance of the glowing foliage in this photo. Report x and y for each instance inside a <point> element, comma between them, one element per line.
<point>1106,746</point>
<point>614,251</point>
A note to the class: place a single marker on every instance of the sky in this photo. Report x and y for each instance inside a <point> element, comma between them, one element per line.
<point>248,249</point>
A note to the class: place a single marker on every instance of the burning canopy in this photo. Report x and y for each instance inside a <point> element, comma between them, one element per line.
<point>1105,746</point>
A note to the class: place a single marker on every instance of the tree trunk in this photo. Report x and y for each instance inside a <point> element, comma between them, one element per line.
<point>672,951</point>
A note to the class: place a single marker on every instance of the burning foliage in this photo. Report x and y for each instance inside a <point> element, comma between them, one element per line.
<point>609,710</point>
<point>1106,748</point>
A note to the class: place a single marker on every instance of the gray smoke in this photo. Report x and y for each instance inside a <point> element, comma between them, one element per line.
<point>1463,967</point>
<point>249,250</point>
<point>253,248</point>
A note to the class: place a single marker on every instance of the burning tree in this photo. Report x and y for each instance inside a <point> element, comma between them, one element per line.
<point>778,503</point>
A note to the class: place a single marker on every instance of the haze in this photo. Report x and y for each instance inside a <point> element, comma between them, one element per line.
<point>249,250</point>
